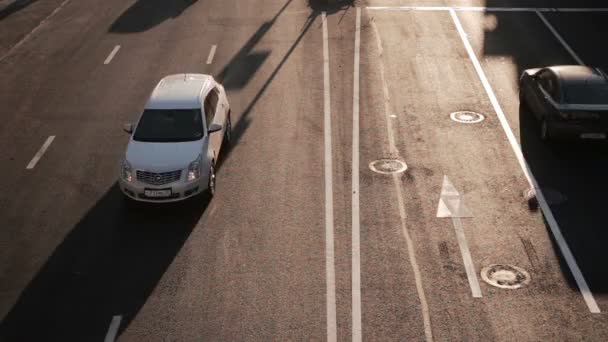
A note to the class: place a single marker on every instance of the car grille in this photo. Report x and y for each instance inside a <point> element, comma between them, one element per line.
<point>161,178</point>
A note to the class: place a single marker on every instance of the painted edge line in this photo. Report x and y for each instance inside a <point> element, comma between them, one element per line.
<point>211,54</point>
<point>557,234</point>
<point>356,219</point>
<point>488,9</point>
<point>112,54</point>
<point>113,329</point>
<point>40,152</point>
<point>559,37</point>
<point>329,198</point>
<point>34,30</point>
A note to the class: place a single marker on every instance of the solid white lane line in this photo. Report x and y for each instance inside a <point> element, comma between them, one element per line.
<point>211,54</point>
<point>113,329</point>
<point>559,37</point>
<point>557,234</point>
<point>487,9</point>
<point>111,55</point>
<point>356,221</point>
<point>466,258</point>
<point>40,152</point>
<point>424,307</point>
<point>329,197</point>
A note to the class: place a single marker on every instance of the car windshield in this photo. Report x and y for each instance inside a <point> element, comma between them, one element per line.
<point>593,94</point>
<point>169,125</point>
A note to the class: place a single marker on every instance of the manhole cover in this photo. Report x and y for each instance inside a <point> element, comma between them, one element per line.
<point>505,276</point>
<point>467,117</point>
<point>387,166</point>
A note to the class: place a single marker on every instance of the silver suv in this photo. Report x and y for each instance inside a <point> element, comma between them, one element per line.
<point>175,143</point>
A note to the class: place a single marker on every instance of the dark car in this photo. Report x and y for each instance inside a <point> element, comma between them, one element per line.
<point>569,101</point>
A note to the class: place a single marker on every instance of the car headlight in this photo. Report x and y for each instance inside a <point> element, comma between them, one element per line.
<point>194,169</point>
<point>126,171</point>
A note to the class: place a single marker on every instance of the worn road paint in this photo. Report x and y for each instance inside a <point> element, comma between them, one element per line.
<point>394,153</point>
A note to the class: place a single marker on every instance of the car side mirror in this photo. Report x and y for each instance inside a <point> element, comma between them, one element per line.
<point>128,127</point>
<point>215,127</point>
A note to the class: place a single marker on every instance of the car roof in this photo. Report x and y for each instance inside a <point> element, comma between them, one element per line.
<point>576,75</point>
<point>180,91</point>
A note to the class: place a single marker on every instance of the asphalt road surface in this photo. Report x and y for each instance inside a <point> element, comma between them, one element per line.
<point>303,241</point>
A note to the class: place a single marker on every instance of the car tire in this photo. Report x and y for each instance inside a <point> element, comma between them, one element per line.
<point>228,131</point>
<point>212,180</point>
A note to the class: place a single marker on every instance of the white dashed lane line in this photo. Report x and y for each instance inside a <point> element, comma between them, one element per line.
<point>211,54</point>
<point>40,152</point>
<point>112,54</point>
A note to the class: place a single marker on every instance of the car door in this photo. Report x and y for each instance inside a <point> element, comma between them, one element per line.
<point>210,105</point>
<point>214,114</point>
<point>545,91</point>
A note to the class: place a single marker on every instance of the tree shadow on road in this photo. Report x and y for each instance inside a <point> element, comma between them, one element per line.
<point>107,265</point>
<point>240,69</point>
<point>146,14</point>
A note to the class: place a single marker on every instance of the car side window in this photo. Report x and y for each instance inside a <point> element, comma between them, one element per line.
<point>210,106</point>
<point>549,84</point>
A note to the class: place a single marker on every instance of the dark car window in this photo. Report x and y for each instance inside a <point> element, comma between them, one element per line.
<point>210,106</point>
<point>169,125</point>
<point>549,82</point>
<point>586,94</point>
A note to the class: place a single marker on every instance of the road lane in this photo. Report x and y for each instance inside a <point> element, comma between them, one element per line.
<point>571,174</point>
<point>256,259</point>
<point>430,76</point>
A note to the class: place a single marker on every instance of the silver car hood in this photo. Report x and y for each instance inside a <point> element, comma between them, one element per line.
<point>163,157</point>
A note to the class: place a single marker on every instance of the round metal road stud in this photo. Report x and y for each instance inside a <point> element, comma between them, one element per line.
<point>388,166</point>
<point>505,276</point>
<point>467,117</point>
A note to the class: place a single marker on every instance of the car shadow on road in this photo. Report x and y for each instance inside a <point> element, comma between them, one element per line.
<point>146,14</point>
<point>109,264</point>
<point>572,176</point>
